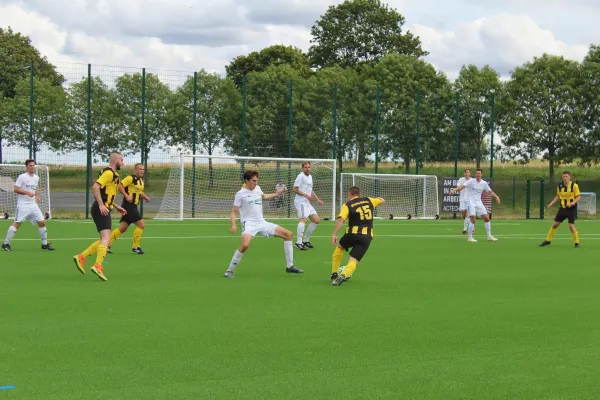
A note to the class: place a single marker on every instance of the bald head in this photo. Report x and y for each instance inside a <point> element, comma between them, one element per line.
<point>116,160</point>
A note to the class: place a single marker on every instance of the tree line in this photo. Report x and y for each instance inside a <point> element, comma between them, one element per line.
<point>363,87</point>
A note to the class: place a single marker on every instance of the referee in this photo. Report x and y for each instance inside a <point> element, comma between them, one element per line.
<point>568,194</point>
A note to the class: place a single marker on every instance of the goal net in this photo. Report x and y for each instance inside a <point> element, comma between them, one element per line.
<point>203,186</point>
<point>8,198</point>
<point>406,196</point>
<point>587,203</point>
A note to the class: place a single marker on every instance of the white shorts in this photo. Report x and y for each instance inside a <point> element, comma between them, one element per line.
<point>29,212</point>
<point>477,210</point>
<point>464,205</point>
<point>263,228</point>
<point>305,210</point>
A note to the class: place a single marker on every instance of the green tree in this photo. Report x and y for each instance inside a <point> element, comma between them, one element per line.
<point>104,121</point>
<point>275,55</point>
<point>51,119</point>
<point>476,87</point>
<point>589,146</point>
<point>542,114</point>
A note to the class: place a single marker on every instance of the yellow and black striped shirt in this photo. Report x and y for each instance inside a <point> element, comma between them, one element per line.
<point>359,212</point>
<point>109,183</point>
<point>567,193</point>
<point>134,186</point>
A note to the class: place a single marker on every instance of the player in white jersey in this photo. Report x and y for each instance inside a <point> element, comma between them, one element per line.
<point>303,187</point>
<point>475,206</point>
<point>463,201</point>
<point>248,201</point>
<point>26,188</point>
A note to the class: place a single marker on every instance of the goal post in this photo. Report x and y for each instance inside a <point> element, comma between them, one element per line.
<point>587,203</point>
<point>406,196</point>
<point>204,186</point>
<point>8,198</point>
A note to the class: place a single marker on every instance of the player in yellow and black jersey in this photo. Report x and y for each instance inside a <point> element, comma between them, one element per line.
<point>359,213</point>
<point>134,187</point>
<point>568,194</point>
<point>105,190</point>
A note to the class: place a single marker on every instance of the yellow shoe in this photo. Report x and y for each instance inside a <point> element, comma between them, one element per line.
<point>79,260</point>
<point>97,269</point>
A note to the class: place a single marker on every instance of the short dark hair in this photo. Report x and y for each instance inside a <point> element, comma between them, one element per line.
<point>27,162</point>
<point>354,191</point>
<point>249,174</point>
<point>479,169</point>
<point>567,173</point>
<point>467,169</point>
<point>138,164</point>
<point>306,162</point>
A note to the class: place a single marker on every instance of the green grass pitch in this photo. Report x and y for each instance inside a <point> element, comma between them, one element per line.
<point>427,315</point>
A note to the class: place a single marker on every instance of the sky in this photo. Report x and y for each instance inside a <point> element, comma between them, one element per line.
<point>186,35</point>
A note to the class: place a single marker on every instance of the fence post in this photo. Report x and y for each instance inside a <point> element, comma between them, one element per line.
<point>88,169</point>
<point>143,135</point>
<point>514,192</point>
<point>0,144</point>
<point>194,133</point>
<point>492,139</point>
<point>457,129</point>
<point>334,130</point>
<point>377,112</point>
<point>31,111</point>
<point>418,132</point>
<point>290,119</point>
<point>244,95</point>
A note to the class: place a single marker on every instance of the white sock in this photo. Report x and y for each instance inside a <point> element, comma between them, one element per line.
<point>471,229</point>
<point>466,224</point>
<point>300,232</point>
<point>43,236</point>
<point>289,253</point>
<point>237,256</point>
<point>488,228</point>
<point>9,235</point>
<point>309,231</point>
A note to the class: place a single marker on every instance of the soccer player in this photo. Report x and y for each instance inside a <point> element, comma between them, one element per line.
<point>463,205</point>
<point>26,188</point>
<point>248,201</point>
<point>359,213</point>
<point>134,189</point>
<point>569,195</point>
<point>105,190</point>
<point>475,206</point>
<point>303,187</point>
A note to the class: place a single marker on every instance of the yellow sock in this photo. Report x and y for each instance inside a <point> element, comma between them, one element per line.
<point>336,259</point>
<point>137,236</point>
<point>101,254</point>
<point>115,235</point>
<point>92,249</point>
<point>350,268</point>
<point>575,236</point>
<point>551,234</point>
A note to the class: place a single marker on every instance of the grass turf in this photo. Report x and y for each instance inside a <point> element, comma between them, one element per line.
<point>426,316</point>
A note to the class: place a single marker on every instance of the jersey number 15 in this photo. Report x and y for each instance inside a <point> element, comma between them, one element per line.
<point>365,213</point>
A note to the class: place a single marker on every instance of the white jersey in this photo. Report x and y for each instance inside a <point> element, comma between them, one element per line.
<point>464,194</point>
<point>305,184</point>
<point>475,190</point>
<point>30,184</point>
<point>250,204</point>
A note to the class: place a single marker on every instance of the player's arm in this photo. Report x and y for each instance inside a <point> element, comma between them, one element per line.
<point>234,212</point>
<point>272,195</point>
<point>344,213</point>
<point>494,195</point>
<point>554,200</point>
<point>19,190</point>
<point>122,185</point>
<point>145,197</point>
<point>37,195</point>
<point>96,191</point>
<point>314,195</point>
<point>457,189</point>
<point>377,201</point>
<point>577,194</point>
<point>297,190</point>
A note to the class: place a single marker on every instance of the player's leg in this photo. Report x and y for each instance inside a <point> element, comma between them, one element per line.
<point>314,222</point>
<point>572,216</point>
<point>344,243</point>
<point>558,219</point>
<point>488,227</point>
<point>300,208</point>
<point>117,232</point>
<point>466,219</point>
<point>101,251</point>
<point>239,252</point>
<point>137,236</point>
<point>10,233</point>
<point>356,254</point>
<point>471,228</point>
<point>288,248</point>
<point>36,217</point>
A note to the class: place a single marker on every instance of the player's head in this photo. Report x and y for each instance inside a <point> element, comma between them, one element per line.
<point>354,191</point>
<point>139,170</point>
<point>478,173</point>
<point>566,177</point>
<point>30,166</point>
<point>116,159</point>
<point>251,179</point>
<point>467,173</point>
<point>306,167</point>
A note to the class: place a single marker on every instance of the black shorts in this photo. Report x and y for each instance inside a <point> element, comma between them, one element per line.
<point>133,214</point>
<point>102,221</point>
<point>566,213</point>
<point>358,243</point>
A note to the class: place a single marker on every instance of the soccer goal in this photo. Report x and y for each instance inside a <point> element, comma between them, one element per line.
<point>8,198</point>
<point>406,196</point>
<point>204,186</point>
<point>587,203</point>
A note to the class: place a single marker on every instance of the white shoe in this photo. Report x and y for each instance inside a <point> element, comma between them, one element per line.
<point>228,274</point>
<point>492,239</point>
<point>471,240</point>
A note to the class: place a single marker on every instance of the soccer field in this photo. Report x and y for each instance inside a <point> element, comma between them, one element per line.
<point>427,315</point>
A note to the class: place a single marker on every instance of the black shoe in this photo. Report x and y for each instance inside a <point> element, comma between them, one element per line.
<point>464,232</point>
<point>6,247</point>
<point>545,243</point>
<point>293,270</point>
<point>339,280</point>
<point>138,250</point>
<point>334,275</point>
<point>309,245</point>
<point>47,247</point>
<point>108,250</point>
<point>299,246</point>
<point>576,245</point>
